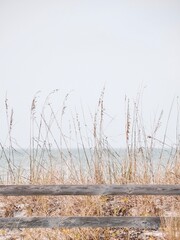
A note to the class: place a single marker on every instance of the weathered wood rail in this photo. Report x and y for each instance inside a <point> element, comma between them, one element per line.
<point>130,189</point>
<point>69,222</point>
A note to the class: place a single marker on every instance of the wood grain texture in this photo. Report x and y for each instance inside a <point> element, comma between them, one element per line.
<point>70,222</point>
<point>28,190</point>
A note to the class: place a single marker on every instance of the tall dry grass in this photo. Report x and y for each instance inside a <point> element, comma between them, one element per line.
<point>95,162</point>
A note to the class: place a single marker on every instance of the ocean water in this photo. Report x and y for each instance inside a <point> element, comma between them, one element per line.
<point>20,161</point>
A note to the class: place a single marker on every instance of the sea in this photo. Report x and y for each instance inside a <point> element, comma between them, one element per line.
<point>21,161</point>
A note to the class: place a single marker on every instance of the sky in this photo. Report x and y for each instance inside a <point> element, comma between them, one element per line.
<point>81,46</point>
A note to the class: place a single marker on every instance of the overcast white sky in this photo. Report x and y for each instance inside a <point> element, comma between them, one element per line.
<point>82,45</point>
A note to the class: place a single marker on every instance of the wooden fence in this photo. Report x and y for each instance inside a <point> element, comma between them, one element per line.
<point>68,222</point>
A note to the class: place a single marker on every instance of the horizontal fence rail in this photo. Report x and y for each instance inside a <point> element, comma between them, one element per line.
<point>70,222</point>
<point>127,189</point>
